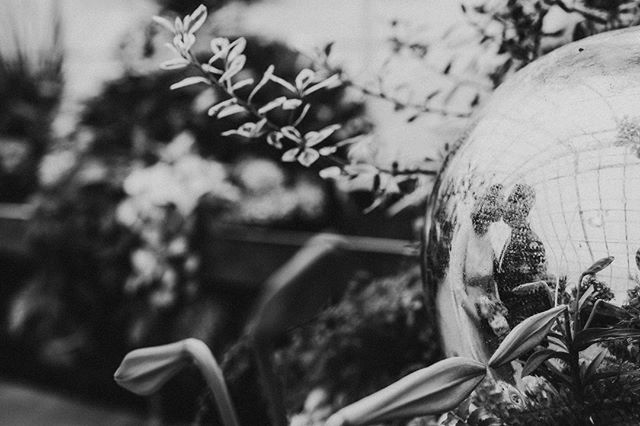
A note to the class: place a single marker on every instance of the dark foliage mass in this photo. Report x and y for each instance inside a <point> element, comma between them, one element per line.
<point>184,7</point>
<point>71,309</point>
<point>378,332</point>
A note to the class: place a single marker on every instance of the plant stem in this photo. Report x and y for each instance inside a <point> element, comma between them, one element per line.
<point>405,104</point>
<point>576,314</point>
<point>593,313</point>
<point>270,384</point>
<point>574,359</point>
<point>212,373</point>
<point>575,374</point>
<point>567,328</point>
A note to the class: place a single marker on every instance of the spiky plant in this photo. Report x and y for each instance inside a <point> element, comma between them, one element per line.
<point>31,82</point>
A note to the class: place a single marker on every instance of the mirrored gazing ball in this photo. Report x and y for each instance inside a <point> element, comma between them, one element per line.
<point>544,182</point>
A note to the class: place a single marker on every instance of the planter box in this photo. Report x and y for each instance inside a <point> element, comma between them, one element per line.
<point>247,256</point>
<point>13,228</point>
<point>240,256</point>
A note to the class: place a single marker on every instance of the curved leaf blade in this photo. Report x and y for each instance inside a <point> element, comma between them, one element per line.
<point>144,371</point>
<point>538,358</point>
<point>598,265</point>
<point>593,365</point>
<point>525,336</point>
<point>587,337</point>
<point>432,390</point>
<point>197,19</point>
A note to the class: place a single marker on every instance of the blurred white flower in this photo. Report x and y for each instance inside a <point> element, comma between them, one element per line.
<point>55,166</point>
<point>259,176</point>
<point>363,149</point>
<point>317,408</point>
<point>178,246</point>
<point>310,199</point>
<point>181,145</point>
<point>144,262</point>
<point>127,213</point>
<point>92,171</point>
<point>204,100</point>
<point>64,124</point>
<point>495,5</point>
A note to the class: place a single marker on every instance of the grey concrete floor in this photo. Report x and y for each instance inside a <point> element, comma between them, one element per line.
<point>22,405</point>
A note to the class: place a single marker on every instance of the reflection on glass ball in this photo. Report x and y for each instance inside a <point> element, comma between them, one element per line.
<point>545,182</point>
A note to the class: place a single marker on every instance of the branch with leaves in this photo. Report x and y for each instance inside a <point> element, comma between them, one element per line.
<point>223,70</point>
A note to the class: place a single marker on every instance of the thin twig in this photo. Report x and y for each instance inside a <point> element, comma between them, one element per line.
<point>405,104</point>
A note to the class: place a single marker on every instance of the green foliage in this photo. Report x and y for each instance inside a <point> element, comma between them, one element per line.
<point>624,349</point>
<point>521,31</point>
<point>31,83</point>
<point>380,326</point>
<point>144,371</point>
<point>434,389</point>
<point>134,112</point>
<point>611,402</point>
<point>578,391</point>
<point>378,332</point>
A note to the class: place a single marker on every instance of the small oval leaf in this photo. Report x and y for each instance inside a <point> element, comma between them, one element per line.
<point>304,78</point>
<point>189,81</point>
<point>290,104</point>
<point>230,110</point>
<point>219,106</point>
<point>164,22</point>
<point>308,156</point>
<point>197,19</point>
<point>234,67</point>
<point>236,48</point>
<point>242,83</point>
<point>525,336</point>
<point>174,64</point>
<point>432,390</point>
<point>272,105</point>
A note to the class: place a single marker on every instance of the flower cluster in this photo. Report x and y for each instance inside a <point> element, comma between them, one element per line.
<point>158,209</point>
<point>161,204</point>
<point>267,198</point>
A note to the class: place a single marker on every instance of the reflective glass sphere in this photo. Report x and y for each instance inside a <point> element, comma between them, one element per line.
<point>544,182</point>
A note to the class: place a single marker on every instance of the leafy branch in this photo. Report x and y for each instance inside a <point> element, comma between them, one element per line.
<point>223,69</point>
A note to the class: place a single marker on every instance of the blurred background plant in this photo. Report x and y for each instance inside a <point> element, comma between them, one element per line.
<point>31,83</point>
<point>379,325</point>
